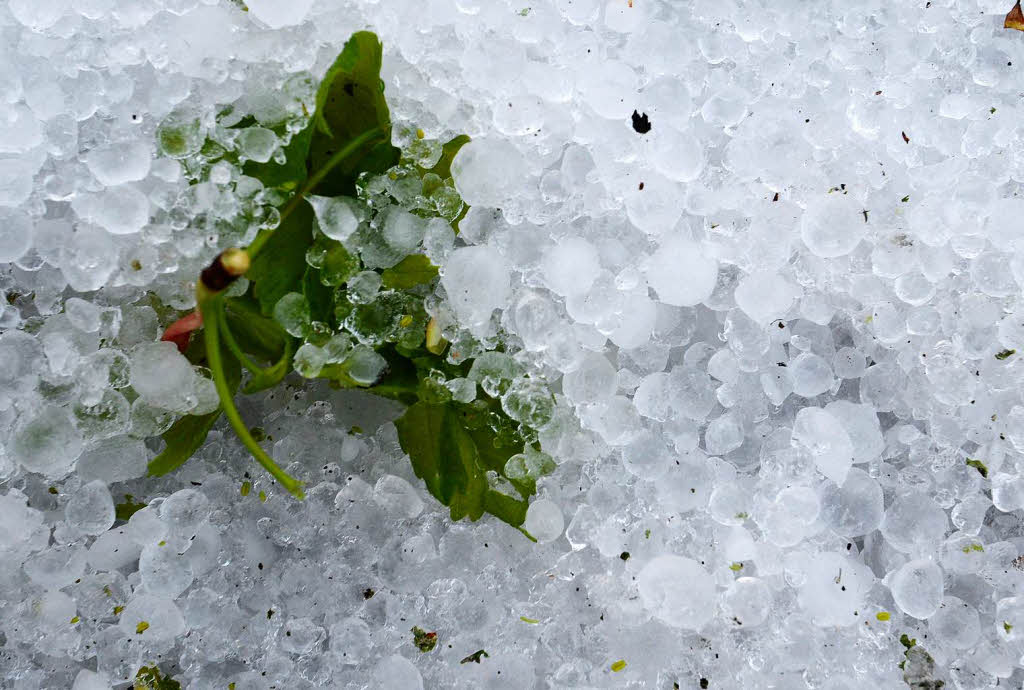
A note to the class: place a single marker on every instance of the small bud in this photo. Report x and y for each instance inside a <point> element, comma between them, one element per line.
<point>235,261</point>
<point>435,341</point>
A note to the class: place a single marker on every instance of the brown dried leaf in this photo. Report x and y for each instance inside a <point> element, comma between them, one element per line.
<point>1015,18</point>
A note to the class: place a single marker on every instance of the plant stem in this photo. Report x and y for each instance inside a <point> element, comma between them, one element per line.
<point>236,350</point>
<point>212,308</point>
<point>314,180</point>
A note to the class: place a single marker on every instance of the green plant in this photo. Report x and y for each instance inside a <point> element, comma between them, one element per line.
<point>298,312</point>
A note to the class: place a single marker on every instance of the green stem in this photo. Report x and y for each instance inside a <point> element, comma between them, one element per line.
<point>236,350</point>
<point>212,309</point>
<point>314,180</point>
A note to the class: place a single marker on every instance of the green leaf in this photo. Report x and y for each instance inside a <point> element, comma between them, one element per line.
<point>443,167</point>
<point>339,263</point>
<point>124,511</point>
<point>257,335</point>
<point>409,272</point>
<point>319,296</point>
<point>292,173</point>
<point>444,456</point>
<point>279,267</point>
<point>149,678</point>
<point>261,338</point>
<point>475,657</point>
<point>189,433</point>
<point>506,508</point>
<point>478,418</point>
<point>350,102</point>
<point>978,465</point>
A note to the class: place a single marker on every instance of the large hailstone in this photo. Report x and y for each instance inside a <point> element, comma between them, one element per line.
<point>677,591</point>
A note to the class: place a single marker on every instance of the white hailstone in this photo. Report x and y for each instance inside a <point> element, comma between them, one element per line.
<point>571,266</point>
<point>914,523</point>
<point>855,507</point>
<point>956,624</point>
<point>477,282</point>
<point>397,673</point>
<point>811,375</point>
<point>163,377</point>
<point>336,216</point>
<point>488,171</point>
<point>16,230</point>
<point>544,520</point>
<point>152,617</point>
<point>91,508</point>
<point>593,380</point>
<point>120,162</point>
<point>765,296</point>
<point>834,588</point>
<point>91,680</point>
<point>301,636</point>
<point>398,497</point>
<point>183,513</point>
<point>917,588</point>
<point>677,591</point>
<point>115,459</point>
<point>833,225</point>
<point>747,602</point>
<point>861,424</point>
<point>163,570</point>
<point>350,641</point>
<point>848,363</point>
<point>823,437</point>
<point>46,440</point>
<point>680,273</point>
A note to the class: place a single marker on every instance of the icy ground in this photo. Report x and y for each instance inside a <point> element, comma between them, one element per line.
<point>784,318</point>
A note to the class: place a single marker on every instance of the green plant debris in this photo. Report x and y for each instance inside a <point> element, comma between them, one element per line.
<point>978,465</point>
<point>883,616</point>
<point>624,555</point>
<point>618,665</point>
<point>74,620</point>
<point>1007,627</point>
<point>142,627</point>
<point>905,199</point>
<point>742,516</point>
<point>150,678</point>
<point>124,511</point>
<point>475,657</point>
<point>246,488</point>
<point>118,610</point>
<point>736,567</point>
<point>973,547</point>
<point>1005,354</point>
<point>531,621</point>
<point>647,534</point>
<point>459,450</point>
<point>424,641</point>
